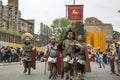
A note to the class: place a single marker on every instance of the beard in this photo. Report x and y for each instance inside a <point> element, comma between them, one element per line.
<point>27,43</point>
<point>69,37</point>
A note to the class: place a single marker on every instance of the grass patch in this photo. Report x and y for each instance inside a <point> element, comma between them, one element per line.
<point>10,32</point>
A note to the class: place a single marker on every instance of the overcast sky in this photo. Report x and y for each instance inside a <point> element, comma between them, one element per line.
<point>47,10</point>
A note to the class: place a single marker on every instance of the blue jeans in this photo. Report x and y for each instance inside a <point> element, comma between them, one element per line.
<point>112,66</point>
<point>101,63</point>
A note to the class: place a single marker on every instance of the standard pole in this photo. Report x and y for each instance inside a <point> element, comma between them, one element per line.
<point>66,11</point>
<point>73,2</point>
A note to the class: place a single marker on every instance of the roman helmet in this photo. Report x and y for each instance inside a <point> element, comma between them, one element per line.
<point>26,37</point>
<point>53,37</point>
<point>118,42</point>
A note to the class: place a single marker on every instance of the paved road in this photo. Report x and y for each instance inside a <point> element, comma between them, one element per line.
<point>14,71</point>
<point>100,73</point>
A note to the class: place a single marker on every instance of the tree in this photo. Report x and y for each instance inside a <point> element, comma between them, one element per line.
<point>59,27</point>
<point>116,35</point>
<point>78,28</point>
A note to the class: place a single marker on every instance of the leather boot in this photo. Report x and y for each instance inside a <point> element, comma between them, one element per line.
<point>25,67</point>
<point>29,72</point>
<point>51,74</point>
<point>25,70</point>
<point>29,68</point>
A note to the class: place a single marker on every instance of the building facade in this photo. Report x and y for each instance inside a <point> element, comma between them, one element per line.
<point>10,18</point>
<point>11,23</point>
<point>27,26</point>
<point>92,24</point>
<point>0,13</point>
<point>45,34</point>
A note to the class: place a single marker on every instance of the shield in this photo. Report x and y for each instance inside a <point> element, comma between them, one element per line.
<point>59,63</point>
<point>34,59</point>
<point>88,67</point>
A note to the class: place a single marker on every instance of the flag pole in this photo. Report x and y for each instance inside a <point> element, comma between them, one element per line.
<point>73,2</point>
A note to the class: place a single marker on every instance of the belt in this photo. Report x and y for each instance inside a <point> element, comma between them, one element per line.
<point>53,56</point>
<point>28,51</point>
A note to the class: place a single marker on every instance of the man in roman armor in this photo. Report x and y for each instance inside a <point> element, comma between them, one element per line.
<point>26,51</point>
<point>80,58</point>
<point>51,56</point>
<point>68,53</point>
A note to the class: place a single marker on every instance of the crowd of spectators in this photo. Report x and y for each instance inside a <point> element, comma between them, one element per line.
<point>9,54</point>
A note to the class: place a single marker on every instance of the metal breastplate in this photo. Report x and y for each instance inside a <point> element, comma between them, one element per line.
<point>52,52</point>
<point>68,49</point>
<point>81,53</point>
<point>27,48</point>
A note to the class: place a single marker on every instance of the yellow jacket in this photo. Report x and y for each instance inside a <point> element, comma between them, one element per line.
<point>114,53</point>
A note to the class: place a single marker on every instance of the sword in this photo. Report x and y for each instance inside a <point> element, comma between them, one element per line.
<point>45,68</point>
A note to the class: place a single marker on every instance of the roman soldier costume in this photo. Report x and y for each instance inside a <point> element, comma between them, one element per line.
<point>51,56</point>
<point>27,50</point>
<point>80,58</point>
<point>68,54</point>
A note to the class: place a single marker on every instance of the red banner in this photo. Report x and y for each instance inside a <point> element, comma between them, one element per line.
<point>75,12</point>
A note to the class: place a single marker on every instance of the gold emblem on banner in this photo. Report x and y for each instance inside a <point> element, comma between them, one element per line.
<point>75,12</point>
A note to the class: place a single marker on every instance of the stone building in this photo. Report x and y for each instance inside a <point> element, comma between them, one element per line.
<point>92,24</point>
<point>0,13</point>
<point>10,18</point>
<point>27,26</point>
<point>14,3</point>
<point>11,23</point>
<point>45,34</point>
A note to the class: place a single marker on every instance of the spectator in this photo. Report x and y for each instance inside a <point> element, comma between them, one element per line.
<point>100,58</point>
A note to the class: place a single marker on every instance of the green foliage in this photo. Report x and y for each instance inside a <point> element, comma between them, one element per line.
<point>116,35</point>
<point>59,27</point>
<point>78,28</point>
<point>10,32</point>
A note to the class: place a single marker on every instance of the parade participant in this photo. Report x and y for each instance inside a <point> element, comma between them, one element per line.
<point>80,58</point>
<point>27,50</point>
<point>68,54</point>
<point>117,57</point>
<point>111,58</point>
<point>100,58</point>
<point>51,56</point>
